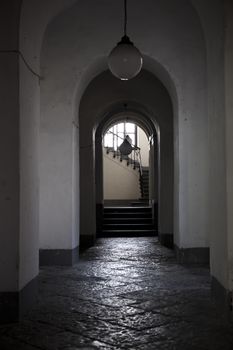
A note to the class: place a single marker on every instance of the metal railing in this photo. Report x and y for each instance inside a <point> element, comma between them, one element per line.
<point>134,158</point>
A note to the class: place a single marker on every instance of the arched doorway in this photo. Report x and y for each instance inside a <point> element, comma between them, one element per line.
<point>125,157</point>
<point>130,179</point>
<point>182,72</point>
<point>157,120</point>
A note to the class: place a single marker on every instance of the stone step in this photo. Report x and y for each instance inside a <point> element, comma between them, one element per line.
<point>140,202</point>
<point>128,226</point>
<point>128,221</point>
<point>128,233</point>
<point>128,215</point>
<point>124,220</point>
<point>129,209</point>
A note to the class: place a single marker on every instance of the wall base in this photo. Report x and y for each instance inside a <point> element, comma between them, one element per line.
<point>193,255</point>
<point>87,241</point>
<point>223,298</point>
<point>59,257</point>
<point>166,239</point>
<point>14,305</point>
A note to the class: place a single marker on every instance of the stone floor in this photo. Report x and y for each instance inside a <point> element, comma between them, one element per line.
<point>123,294</point>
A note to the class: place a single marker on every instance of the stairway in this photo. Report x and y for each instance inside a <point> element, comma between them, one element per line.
<point>129,161</point>
<point>144,184</point>
<point>132,221</point>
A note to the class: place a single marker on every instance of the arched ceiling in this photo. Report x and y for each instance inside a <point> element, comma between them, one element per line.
<point>35,15</point>
<point>143,99</point>
<point>130,117</point>
<point>77,42</point>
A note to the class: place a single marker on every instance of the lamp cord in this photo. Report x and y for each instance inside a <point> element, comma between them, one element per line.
<point>24,60</point>
<point>125,18</point>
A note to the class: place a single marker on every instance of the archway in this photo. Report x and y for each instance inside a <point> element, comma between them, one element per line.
<point>125,154</point>
<point>154,112</point>
<point>65,86</point>
<point>119,114</point>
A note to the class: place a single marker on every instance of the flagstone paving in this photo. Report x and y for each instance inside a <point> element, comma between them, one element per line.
<point>125,293</point>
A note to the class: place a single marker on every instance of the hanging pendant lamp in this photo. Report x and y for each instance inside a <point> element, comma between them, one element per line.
<point>125,60</point>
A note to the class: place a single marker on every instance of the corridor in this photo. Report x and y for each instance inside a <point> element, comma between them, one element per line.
<point>123,294</point>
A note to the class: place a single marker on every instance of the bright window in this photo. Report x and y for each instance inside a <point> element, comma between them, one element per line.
<point>117,133</point>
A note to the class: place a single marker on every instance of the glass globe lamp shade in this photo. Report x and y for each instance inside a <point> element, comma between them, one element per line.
<point>125,60</point>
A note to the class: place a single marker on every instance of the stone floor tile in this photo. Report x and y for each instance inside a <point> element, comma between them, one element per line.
<point>125,293</point>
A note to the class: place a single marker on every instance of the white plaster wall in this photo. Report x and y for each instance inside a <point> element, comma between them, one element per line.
<point>56,168</point>
<point>213,25</point>
<point>35,16</point>
<point>120,181</point>
<point>143,143</point>
<point>59,152</point>
<point>29,184</point>
<point>34,19</point>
